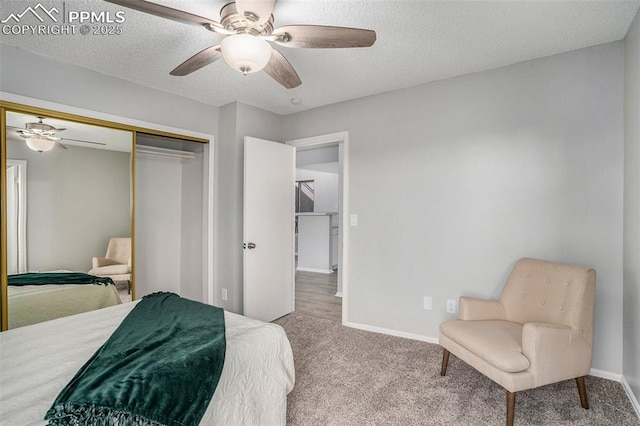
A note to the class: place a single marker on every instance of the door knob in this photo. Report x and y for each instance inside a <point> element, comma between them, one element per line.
<point>251,246</point>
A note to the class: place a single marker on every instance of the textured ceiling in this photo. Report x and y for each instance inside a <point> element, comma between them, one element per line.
<point>417,42</point>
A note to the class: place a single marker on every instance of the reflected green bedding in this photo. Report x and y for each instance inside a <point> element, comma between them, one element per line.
<point>45,278</point>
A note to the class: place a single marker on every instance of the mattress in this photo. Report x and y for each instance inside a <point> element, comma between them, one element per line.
<point>31,304</point>
<point>37,361</point>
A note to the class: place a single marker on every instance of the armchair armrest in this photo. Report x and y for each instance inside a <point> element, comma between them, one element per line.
<point>97,262</point>
<point>555,351</point>
<point>470,308</point>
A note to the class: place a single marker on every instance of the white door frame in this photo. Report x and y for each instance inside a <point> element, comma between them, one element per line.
<point>208,210</point>
<point>341,138</point>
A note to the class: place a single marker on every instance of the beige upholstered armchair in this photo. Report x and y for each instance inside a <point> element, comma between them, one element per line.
<point>117,262</point>
<point>539,332</point>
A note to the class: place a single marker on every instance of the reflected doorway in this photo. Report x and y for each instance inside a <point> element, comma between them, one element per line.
<point>16,188</point>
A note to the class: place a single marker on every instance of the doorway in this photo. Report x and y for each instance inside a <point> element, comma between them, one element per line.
<point>320,232</point>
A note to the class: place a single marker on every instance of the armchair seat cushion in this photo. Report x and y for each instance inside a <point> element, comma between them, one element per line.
<point>111,270</point>
<point>497,342</point>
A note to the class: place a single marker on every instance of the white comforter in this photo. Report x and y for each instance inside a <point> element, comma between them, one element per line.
<point>37,361</point>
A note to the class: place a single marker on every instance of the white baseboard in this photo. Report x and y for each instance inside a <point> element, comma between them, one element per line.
<point>605,375</point>
<point>632,397</point>
<point>320,271</point>
<point>391,332</point>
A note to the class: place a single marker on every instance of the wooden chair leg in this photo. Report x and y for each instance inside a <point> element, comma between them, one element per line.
<point>582,389</point>
<point>511,407</point>
<point>445,361</point>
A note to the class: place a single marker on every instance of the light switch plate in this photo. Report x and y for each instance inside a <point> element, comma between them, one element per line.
<point>353,219</point>
<point>428,303</point>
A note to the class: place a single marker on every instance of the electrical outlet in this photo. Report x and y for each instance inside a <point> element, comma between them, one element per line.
<point>224,294</point>
<point>451,306</point>
<point>428,303</point>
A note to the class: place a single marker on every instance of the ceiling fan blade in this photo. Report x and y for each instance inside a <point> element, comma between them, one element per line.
<point>59,145</point>
<point>52,131</point>
<point>281,71</point>
<point>27,134</point>
<point>19,130</point>
<point>261,8</point>
<point>323,36</point>
<point>169,13</point>
<point>81,141</point>
<point>197,61</point>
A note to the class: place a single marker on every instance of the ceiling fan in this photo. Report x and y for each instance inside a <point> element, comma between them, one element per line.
<point>248,27</point>
<point>42,137</point>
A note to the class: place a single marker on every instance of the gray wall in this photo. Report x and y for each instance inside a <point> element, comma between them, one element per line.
<point>328,154</point>
<point>455,180</point>
<point>237,120</point>
<point>77,199</point>
<point>158,225</point>
<point>192,282</point>
<point>631,310</point>
<point>26,74</point>
<point>325,187</point>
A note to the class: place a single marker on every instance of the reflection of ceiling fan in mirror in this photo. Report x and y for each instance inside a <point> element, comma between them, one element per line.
<point>247,27</point>
<point>42,137</point>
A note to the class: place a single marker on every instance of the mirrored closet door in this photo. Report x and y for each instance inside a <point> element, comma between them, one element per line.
<point>68,191</point>
<point>70,188</point>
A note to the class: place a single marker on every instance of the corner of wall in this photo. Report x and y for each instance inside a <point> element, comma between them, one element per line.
<point>631,280</point>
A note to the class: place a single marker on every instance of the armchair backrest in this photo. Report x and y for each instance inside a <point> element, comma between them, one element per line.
<point>542,291</point>
<point>119,249</point>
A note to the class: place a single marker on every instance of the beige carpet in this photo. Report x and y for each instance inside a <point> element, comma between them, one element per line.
<point>352,377</point>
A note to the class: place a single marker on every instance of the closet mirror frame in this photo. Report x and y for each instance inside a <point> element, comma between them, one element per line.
<point>37,111</point>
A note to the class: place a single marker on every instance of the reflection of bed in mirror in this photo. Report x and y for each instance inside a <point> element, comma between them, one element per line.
<point>45,298</point>
<point>39,360</point>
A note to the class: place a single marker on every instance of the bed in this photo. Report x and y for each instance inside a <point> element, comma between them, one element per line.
<point>31,304</point>
<point>37,361</point>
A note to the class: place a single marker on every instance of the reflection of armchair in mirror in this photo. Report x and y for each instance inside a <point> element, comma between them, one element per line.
<point>117,262</point>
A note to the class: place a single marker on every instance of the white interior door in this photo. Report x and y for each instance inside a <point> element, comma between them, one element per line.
<point>268,218</point>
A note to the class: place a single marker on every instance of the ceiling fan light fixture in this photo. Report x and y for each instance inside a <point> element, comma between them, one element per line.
<point>40,143</point>
<point>246,53</point>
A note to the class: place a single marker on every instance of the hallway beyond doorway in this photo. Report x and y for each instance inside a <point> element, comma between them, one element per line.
<point>316,295</point>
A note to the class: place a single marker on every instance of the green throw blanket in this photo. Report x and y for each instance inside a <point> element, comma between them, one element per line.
<point>33,278</point>
<point>160,367</point>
